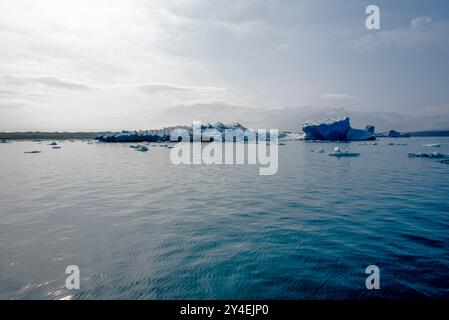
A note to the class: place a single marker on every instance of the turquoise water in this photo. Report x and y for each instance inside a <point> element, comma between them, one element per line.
<point>139,227</point>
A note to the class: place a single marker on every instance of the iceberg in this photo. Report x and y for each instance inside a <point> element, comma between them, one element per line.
<point>392,134</point>
<point>343,153</point>
<point>336,130</point>
<point>432,145</point>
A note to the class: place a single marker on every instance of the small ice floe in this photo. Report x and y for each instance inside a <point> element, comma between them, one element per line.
<point>34,151</point>
<point>53,143</point>
<point>319,150</point>
<point>141,148</point>
<point>432,145</point>
<point>368,144</point>
<point>396,144</point>
<point>343,153</point>
<point>436,155</point>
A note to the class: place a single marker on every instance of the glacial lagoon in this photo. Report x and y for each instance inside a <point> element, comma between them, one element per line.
<point>140,227</point>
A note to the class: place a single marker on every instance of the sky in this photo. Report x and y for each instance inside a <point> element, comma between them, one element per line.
<point>113,65</point>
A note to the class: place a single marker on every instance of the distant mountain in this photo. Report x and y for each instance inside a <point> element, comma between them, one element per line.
<point>291,119</point>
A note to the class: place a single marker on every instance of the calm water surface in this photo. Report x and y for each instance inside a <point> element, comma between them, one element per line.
<point>139,227</point>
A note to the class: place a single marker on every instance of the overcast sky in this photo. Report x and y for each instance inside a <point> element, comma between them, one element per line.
<point>110,65</point>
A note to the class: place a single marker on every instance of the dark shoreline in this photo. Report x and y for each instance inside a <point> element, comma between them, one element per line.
<point>50,135</point>
<point>92,135</point>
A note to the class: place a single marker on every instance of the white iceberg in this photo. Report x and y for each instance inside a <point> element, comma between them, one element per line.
<point>432,145</point>
<point>343,153</point>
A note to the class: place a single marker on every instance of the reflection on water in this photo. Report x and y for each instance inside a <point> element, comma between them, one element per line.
<point>141,228</point>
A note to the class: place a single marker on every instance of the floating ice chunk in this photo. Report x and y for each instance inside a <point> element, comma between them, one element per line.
<point>139,147</point>
<point>319,150</point>
<point>343,153</point>
<point>428,155</point>
<point>432,145</point>
<point>368,144</point>
<point>396,144</point>
<point>142,148</point>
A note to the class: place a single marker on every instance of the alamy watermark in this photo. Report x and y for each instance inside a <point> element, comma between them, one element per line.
<point>229,146</point>
<point>373,280</point>
<point>372,22</point>
<point>73,280</point>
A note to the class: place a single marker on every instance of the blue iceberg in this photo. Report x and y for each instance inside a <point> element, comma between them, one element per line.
<point>336,130</point>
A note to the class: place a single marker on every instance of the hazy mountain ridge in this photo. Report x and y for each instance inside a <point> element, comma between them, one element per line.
<point>291,119</point>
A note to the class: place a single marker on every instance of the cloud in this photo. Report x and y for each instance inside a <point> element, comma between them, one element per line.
<point>55,82</point>
<point>338,96</point>
<point>422,32</point>
<point>154,87</point>
<point>48,81</point>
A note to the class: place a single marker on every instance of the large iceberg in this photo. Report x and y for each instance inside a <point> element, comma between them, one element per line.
<point>336,130</point>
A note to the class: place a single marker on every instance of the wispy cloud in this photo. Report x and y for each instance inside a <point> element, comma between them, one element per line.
<point>421,32</point>
<point>338,96</point>
<point>155,87</point>
<point>48,81</point>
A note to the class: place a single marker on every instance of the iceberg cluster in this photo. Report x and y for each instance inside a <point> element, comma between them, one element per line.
<point>336,130</point>
<point>163,135</point>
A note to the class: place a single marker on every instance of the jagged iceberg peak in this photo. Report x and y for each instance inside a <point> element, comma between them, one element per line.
<point>163,135</point>
<point>336,130</point>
